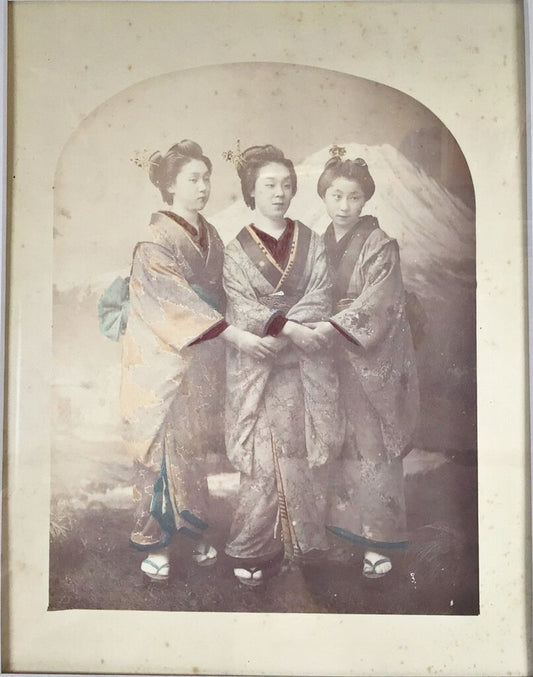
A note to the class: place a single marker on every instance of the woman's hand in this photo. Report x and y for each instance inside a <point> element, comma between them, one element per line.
<point>324,329</point>
<point>306,339</point>
<point>275,343</point>
<point>247,342</point>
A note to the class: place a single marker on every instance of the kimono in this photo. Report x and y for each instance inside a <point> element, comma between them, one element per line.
<point>282,414</point>
<point>379,386</point>
<point>171,379</point>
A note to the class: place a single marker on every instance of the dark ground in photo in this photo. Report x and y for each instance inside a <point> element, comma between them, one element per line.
<point>92,565</point>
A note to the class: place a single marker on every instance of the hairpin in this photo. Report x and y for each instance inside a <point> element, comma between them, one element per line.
<point>143,159</point>
<point>359,161</point>
<point>337,151</point>
<point>234,156</point>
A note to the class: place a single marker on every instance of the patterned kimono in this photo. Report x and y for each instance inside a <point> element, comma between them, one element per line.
<point>282,414</point>
<point>171,379</point>
<point>379,386</point>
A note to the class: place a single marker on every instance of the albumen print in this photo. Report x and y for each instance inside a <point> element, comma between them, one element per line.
<point>264,387</point>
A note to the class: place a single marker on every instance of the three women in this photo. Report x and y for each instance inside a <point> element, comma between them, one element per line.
<point>284,411</point>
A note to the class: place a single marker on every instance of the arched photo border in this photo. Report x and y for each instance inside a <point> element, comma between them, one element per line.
<point>526,639</point>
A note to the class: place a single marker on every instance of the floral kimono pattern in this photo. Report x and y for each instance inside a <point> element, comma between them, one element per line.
<point>283,421</point>
<point>171,380</point>
<point>379,386</point>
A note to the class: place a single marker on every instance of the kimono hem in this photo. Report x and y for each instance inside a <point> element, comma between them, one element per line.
<point>284,412</point>
<point>170,389</point>
<point>379,391</point>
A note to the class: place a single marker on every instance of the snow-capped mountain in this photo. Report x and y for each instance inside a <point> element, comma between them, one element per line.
<point>436,235</point>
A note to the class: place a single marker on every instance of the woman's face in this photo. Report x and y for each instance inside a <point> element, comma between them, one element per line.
<point>344,200</point>
<point>273,190</point>
<point>192,186</point>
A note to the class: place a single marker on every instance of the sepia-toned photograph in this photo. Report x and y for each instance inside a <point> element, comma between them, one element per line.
<point>266,338</point>
<point>264,387</point>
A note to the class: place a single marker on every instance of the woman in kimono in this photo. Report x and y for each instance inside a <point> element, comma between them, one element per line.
<point>170,385</point>
<point>376,365</point>
<point>282,420</point>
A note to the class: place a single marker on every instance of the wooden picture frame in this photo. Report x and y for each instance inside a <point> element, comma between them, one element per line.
<point>465,61</point>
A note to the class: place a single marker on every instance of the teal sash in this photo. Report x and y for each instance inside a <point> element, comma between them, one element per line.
<point>114,304</point>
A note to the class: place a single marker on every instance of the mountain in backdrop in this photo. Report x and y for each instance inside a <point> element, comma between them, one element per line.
<point>436,234</point>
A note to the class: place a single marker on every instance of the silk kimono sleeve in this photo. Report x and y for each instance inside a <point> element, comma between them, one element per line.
<point>161,296</point>
<point>369,317</point>
<point>384,359</point>
<point>158,361</point>
<point>315,300</point>
<point>324,419</point>
<point>316,304</point>
<point>247,377</point>
<point>250,314</point>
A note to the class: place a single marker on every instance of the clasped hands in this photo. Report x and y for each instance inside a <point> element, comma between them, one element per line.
<point>307,338</point>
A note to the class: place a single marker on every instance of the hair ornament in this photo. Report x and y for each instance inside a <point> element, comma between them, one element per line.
<point>337,151</point>
<point>234,156</point>
<point>144,159</point>
<point>359,161</point>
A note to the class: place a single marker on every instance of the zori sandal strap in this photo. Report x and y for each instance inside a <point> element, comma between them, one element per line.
<point>250,576</point>
<point>370,568</point>
<point>157,572</point>
<point>204,555</point>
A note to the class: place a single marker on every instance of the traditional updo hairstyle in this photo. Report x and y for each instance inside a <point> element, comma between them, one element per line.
<point>354,170</point>
<point>165,168</point>
<point>250,162</point>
